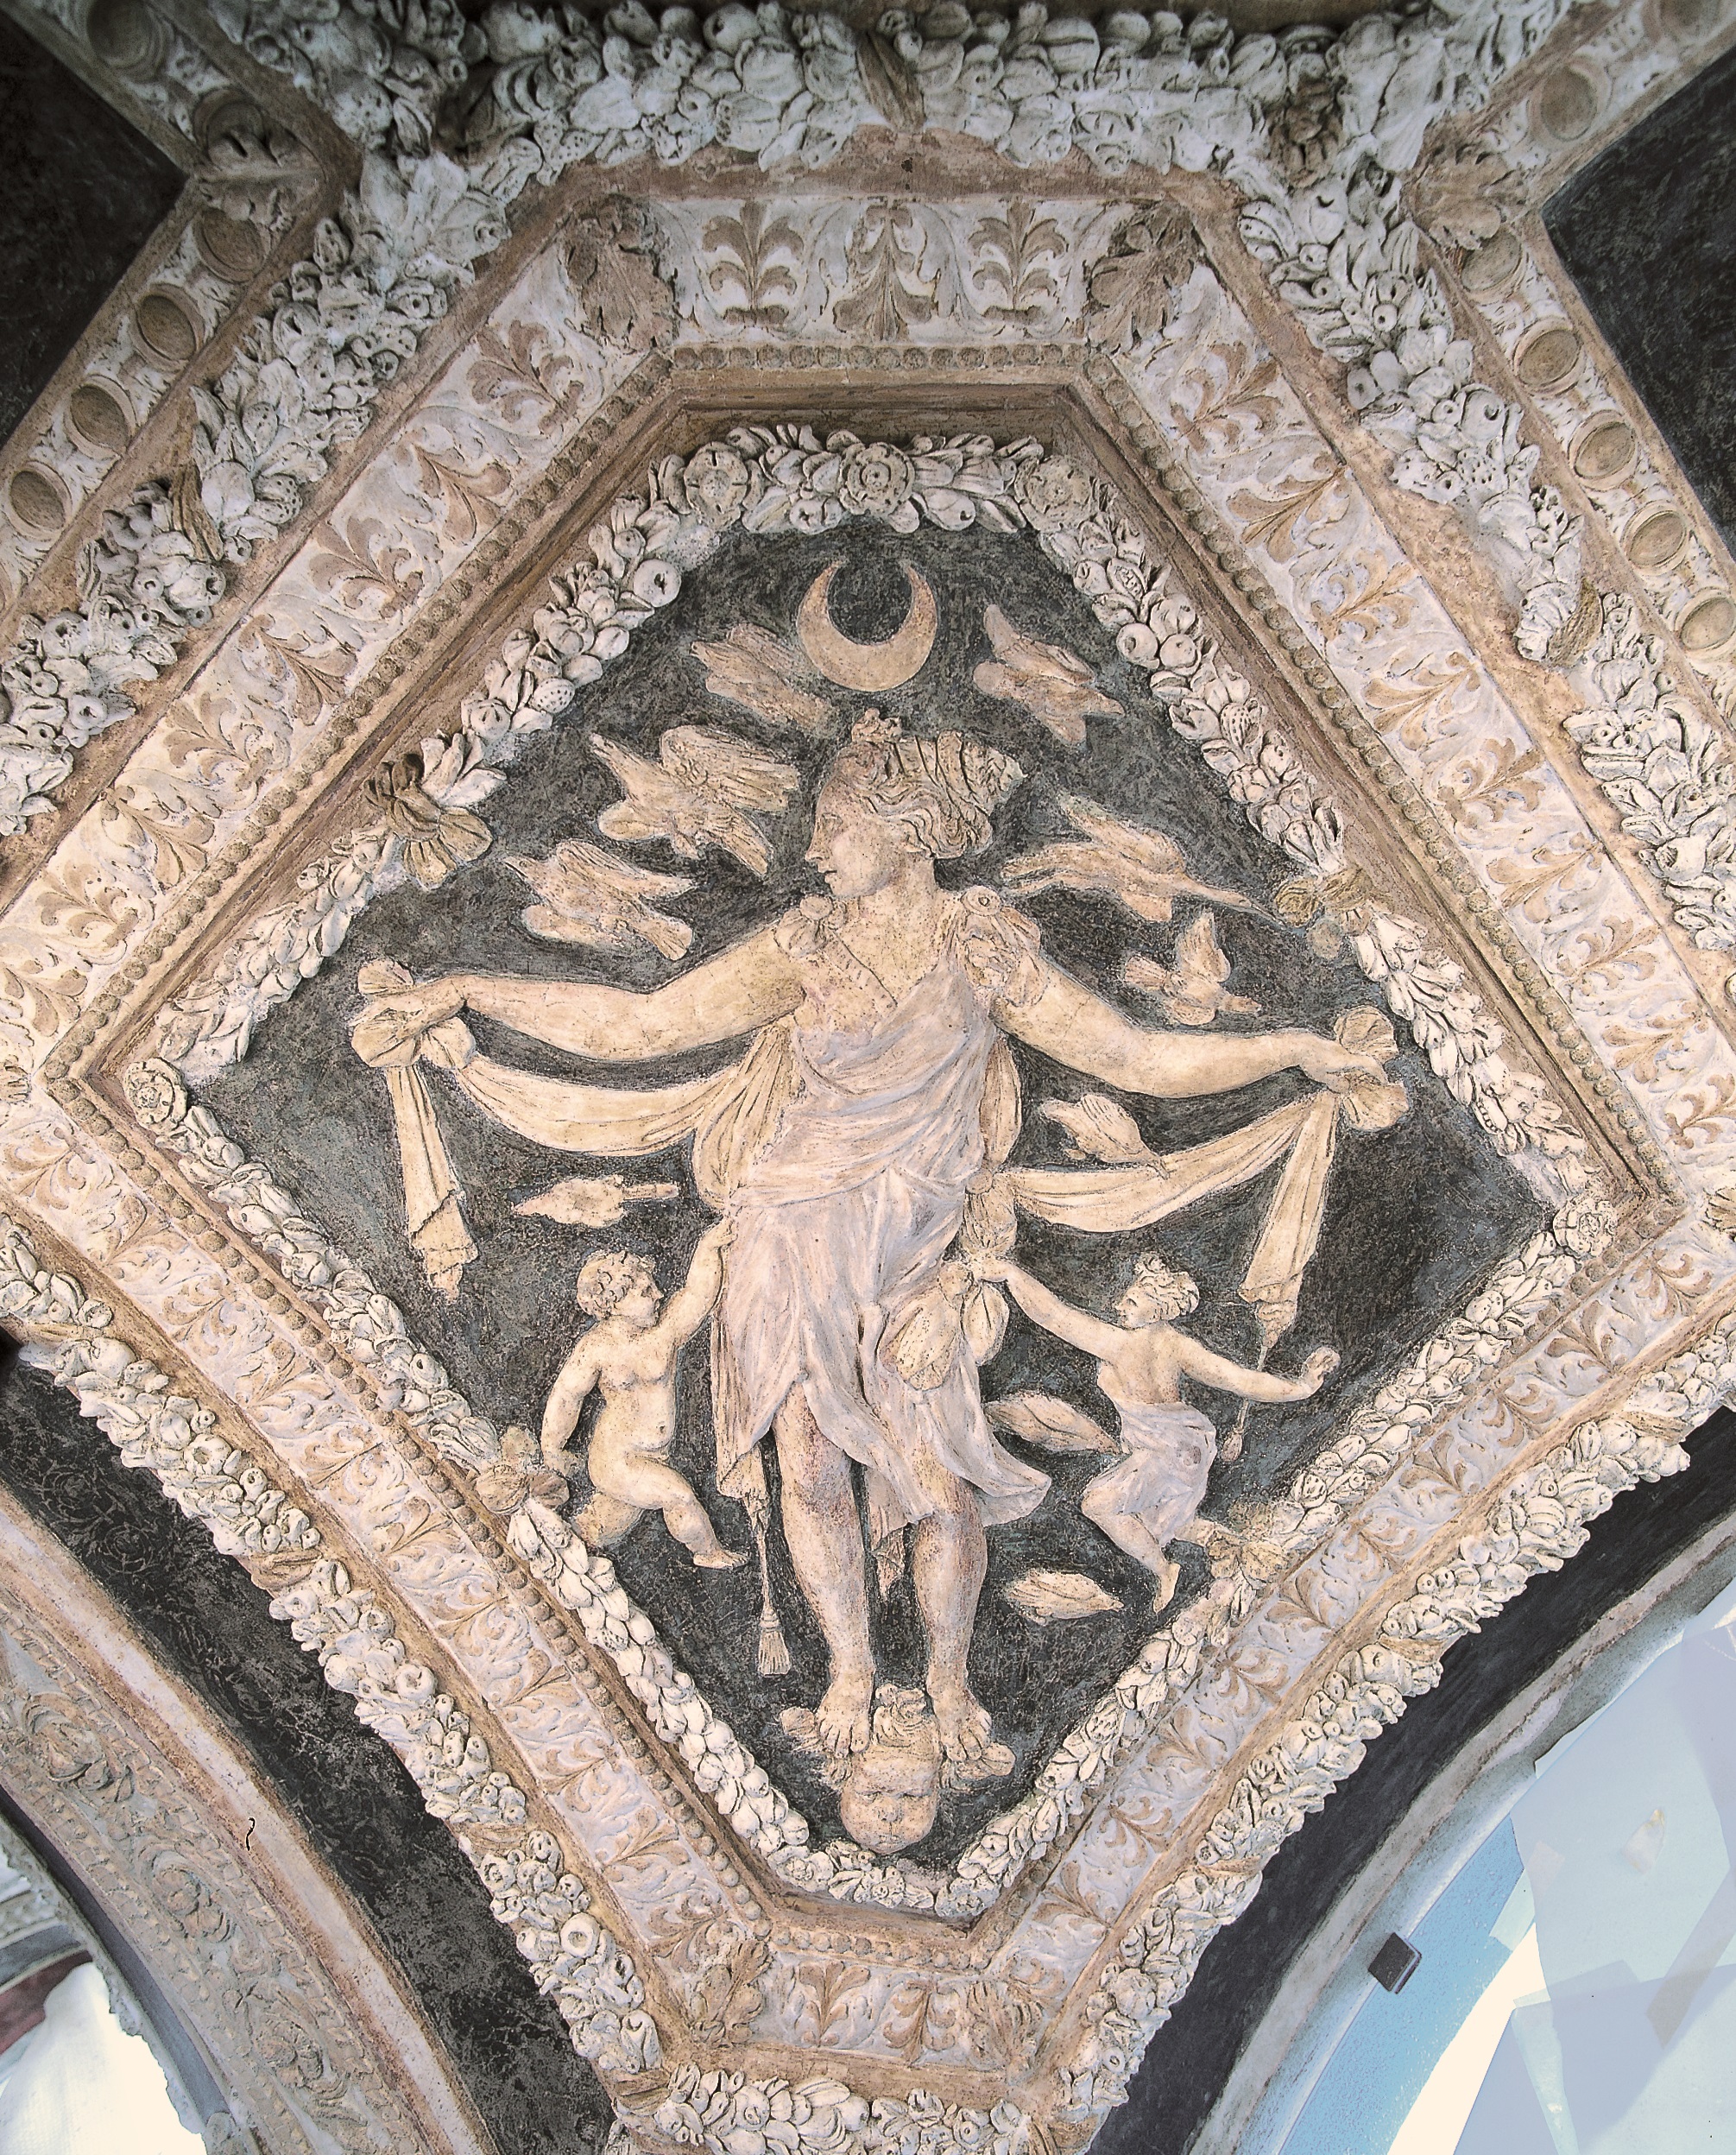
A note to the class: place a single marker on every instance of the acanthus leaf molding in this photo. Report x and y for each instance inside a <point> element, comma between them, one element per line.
<point>544,92</point>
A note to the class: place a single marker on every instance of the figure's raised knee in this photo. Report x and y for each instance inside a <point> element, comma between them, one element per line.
<point>601,1522</point>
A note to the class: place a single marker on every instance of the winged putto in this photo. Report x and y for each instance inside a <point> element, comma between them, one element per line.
<point>705,790</point>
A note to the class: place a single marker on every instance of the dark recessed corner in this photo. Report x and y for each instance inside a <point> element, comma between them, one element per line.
<point>83,191</point>
<point>1648,233</point>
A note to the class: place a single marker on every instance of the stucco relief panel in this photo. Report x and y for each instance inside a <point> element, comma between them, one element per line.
<point>622,786</point>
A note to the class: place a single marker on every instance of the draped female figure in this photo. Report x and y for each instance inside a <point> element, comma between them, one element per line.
<point>843,1146</point>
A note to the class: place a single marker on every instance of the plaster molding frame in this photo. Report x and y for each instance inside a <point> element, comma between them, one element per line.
<point>225,1249</point>
<point>1614,1465</point>
<point>420,226</point>
<point>304,2022</point>
<point>653,536</point>
<point>89,951</point>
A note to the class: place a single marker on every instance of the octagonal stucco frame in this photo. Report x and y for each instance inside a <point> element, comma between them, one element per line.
<point>134,899</point>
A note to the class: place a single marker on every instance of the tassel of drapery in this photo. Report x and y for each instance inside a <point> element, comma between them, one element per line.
<point>729,1117</point>
<point>433,1203</point>
<point>1290,1234</point>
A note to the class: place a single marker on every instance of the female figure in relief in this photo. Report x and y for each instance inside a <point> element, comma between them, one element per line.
<point>878,1083</point>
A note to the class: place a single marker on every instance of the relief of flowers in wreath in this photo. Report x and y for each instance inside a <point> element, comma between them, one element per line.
<point>788,478</point>
<point>773,480</point>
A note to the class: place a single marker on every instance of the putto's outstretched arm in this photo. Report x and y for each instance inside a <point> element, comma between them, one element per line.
<point>737,992</point>
<point>1044,1307</point>
<point>1224,1375</point>
<point>1079,1029</point>
<point>694,1301</point>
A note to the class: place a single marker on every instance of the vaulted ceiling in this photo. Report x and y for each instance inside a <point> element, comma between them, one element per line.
<point>433,433</point>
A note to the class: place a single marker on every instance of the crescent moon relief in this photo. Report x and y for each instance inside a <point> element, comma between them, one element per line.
<point>889,664</point>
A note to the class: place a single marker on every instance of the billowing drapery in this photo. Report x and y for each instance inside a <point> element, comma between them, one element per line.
<point>728,1115</point>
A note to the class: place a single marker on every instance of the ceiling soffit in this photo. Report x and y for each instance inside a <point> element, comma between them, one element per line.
<point>1396,616</point>
<point>207,1876</point>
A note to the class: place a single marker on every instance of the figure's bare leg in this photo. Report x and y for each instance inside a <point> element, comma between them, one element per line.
<point>604,1520</point>
<point>692,1529</point>
<point>1130,1533</point>
<point>824,1530</point>
<point>949,1560</point>
<point>654,1485</point>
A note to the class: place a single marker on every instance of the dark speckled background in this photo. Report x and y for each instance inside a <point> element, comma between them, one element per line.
<point>83,193</point>
<point>1416,1215</point>
<point>200,1616</point>
<point>1648,231</point>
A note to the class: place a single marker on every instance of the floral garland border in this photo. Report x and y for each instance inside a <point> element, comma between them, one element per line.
<point>1275,114</point>
<point>770,479</point>
<point>574,1959</point>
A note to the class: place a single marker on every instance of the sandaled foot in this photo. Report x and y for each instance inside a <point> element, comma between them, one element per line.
<point>844,1718</point>
<point>964,1723</point>
<point>719,1559</point>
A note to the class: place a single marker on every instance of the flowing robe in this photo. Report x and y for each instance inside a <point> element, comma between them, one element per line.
<point>1161,1479</point>
<point>846,1209</point>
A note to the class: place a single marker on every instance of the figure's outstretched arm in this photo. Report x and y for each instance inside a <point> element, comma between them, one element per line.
<point>1080,1029</point>
<point>736,992</point>
<point>1223,1375</point>
<point>694,1301</point>
<point>576,1381</point>
<point>1043,1307</point>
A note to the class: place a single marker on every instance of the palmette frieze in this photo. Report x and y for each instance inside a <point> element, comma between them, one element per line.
<point>459,520</point>
<point>387,265</point>
<point>1535,540</point>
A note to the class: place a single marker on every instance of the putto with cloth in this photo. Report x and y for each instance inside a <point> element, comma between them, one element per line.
<point>860,1150</point>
